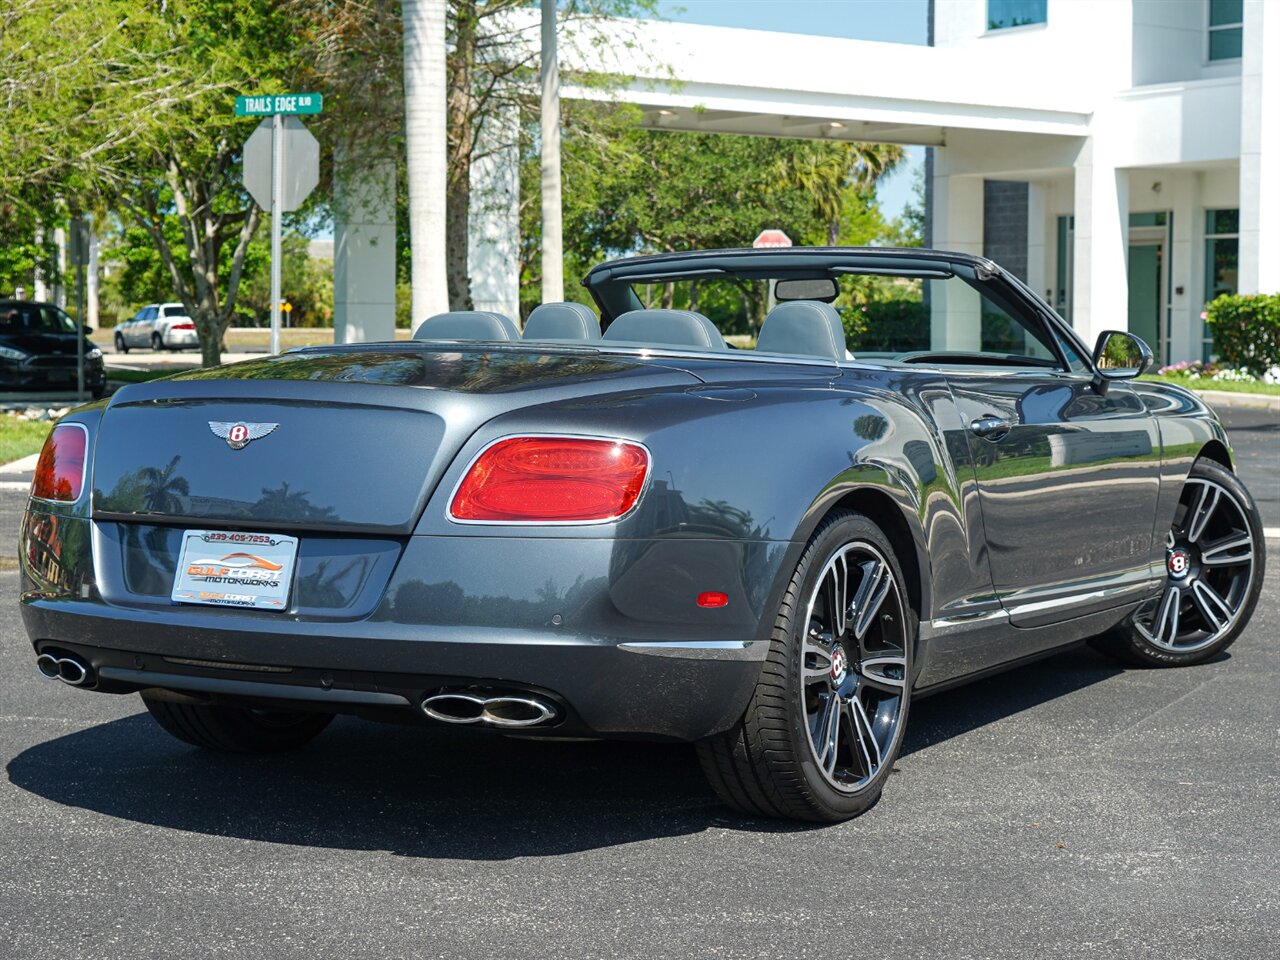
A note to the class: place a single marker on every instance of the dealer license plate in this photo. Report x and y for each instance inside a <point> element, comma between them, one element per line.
<point>230,569</point>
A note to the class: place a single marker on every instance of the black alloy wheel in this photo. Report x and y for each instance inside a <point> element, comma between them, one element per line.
<point>828,715</point>
<point>1214,564</point>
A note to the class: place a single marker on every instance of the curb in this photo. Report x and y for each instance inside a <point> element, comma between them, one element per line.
<point>1225,398</point>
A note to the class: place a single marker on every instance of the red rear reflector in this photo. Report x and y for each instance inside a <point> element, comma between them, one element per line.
<point>713,598</point>
<point>60,469</point>
<point>552,480</point>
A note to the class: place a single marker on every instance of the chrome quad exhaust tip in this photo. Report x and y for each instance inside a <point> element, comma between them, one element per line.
<point>508,711</point>
<point>70,669</point>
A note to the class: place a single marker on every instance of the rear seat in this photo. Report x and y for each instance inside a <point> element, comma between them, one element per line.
<point>666,328</point>
<point>562,321</point>
<point>467,325</point>
<point>803,328</point>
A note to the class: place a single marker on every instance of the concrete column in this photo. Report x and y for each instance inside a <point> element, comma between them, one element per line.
<point>1260,149</point>
<point>364,251</point>
<point>955,309</point>
<point>1186,261</point>
<point>493,229</point>
<point>1038,270</point>
<point>1100,299</point>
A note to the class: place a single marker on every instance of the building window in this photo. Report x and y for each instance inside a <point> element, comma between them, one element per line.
<point>1226,29</point>
<point>1221,262</point>
<point>1002,14</point>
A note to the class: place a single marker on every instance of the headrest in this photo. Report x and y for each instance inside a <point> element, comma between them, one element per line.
<point>562,321</point>
<point>467,325</point>
<point>803,328</point>
<point>680,328</point>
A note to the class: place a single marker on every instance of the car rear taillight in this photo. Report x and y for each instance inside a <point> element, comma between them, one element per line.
<point>60,469</point>
<point>183,326</point>
<point>552,480</point>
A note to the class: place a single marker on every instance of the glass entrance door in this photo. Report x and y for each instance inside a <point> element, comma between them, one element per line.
<point>1146,287</point>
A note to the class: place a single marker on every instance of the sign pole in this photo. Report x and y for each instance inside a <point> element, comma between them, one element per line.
<point>277,209</point>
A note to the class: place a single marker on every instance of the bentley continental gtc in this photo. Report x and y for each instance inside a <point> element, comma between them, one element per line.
<point>616,524</point>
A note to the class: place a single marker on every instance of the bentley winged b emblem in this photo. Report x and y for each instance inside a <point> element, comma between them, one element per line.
<point>238,434</point>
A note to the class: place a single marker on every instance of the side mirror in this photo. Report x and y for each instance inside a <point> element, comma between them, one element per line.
<point>1119,356</point>
<point>88,330</point>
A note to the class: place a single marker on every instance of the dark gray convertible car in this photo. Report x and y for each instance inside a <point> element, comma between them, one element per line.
<point>916,474</point>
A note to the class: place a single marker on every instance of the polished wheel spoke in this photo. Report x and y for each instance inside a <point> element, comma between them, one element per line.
<point>1166,625</point>
<point>868,745</point>
<point>885,672</point>
<point>1235,548</point>
<point>827,732</point>
<point>1207,503</point>
<point>872,589</point>
<point>816,663</point>
<point>1215,611</point>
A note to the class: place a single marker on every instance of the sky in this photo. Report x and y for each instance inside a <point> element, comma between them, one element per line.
<point>891,21</point>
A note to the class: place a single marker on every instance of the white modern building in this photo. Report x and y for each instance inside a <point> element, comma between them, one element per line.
<point>1122,156</point>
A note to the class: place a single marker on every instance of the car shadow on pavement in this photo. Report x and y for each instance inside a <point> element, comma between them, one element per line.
<point>955,712</point>
<point>454,794</point>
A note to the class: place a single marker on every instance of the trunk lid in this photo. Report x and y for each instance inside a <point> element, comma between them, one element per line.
<point>342,439</point>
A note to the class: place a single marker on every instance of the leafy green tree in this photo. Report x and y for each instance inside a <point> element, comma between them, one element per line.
<point>131,109</point>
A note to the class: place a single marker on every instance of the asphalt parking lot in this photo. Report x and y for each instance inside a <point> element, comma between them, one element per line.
<point>1066,809</point>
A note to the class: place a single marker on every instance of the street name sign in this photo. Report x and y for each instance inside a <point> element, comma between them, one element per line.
<point>264,105</point>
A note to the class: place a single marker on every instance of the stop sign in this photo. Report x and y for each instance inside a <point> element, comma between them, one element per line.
<point>771,238</point>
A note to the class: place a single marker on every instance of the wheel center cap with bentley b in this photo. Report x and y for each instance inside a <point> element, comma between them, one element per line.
<point>1179,563</point>
<point>839,665</point>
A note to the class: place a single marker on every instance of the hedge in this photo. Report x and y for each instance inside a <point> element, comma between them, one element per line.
<point>1246,331</point>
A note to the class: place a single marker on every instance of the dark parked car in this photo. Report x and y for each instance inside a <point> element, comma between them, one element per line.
<point>646,532</point>
<point>38,350</point>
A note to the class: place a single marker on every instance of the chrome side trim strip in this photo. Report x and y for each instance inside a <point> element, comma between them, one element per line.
<point>740,650</point>
<point>1139,588</point>
<point>946,626</point>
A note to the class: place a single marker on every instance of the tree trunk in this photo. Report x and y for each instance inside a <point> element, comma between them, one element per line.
<point>461,146</point>
<point>426,134</point>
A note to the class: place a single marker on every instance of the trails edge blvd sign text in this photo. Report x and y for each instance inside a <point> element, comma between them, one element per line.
<point>288,103</point>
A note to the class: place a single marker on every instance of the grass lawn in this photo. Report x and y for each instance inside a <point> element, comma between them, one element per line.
<point>1229,386</point>
<point>21,438</point>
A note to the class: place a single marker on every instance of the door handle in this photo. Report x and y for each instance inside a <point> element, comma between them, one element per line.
<point>991,428</point>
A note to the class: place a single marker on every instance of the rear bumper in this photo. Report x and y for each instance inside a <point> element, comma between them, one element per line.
<point>607,629</point>
<point>660,689</point>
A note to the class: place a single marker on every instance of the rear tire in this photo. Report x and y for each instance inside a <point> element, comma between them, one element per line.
<point>236,729</point>
<point>121,346</point>
<point>1217,543</point>
<point>826,721</point>
<point>157,342</point>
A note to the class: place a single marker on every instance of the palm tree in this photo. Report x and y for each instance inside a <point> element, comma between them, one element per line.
<point>425,103</point>
<point>552,224</point>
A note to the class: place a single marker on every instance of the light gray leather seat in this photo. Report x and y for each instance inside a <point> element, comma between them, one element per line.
<point>467,325</point>
<point>562,321</point>
<point>803,328</point>
<point>666,328</point>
